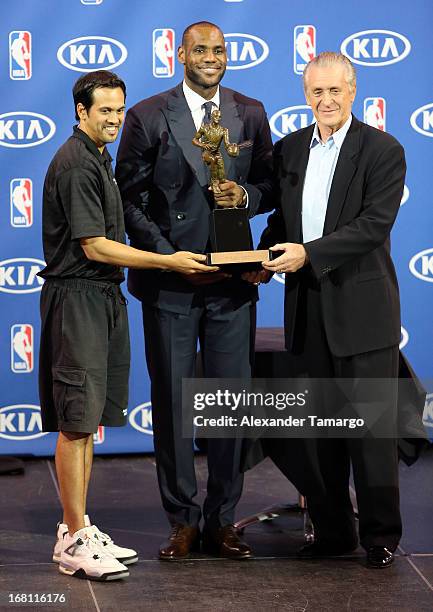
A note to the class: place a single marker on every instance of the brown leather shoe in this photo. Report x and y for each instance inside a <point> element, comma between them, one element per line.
<point>182,540</point>
<point>226,543</point>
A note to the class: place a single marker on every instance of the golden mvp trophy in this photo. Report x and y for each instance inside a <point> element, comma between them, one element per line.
<point>230,233</point>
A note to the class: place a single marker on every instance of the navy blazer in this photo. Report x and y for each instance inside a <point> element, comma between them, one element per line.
<point>164,186</point>
<point>359,290</point>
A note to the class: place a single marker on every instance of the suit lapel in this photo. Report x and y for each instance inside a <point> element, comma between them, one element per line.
<point>183,129</point>
<point>230,119</point>
<point>344,171</point>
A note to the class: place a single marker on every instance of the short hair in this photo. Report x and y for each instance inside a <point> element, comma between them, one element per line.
<point>86,85</point>
<point>198,24</point>
<point>330,58</point>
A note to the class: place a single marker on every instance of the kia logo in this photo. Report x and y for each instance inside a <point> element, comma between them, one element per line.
<point>291,119</point>
<point>428,410</point>
<point>422,120</point>
<point>280,278</point>
<point>19,275</point>
<point>141,418</point>
<point>404,338</point>
<point>376,47</point>
<point>405,196</point>
<point>88,53</point>
<point>421,265</point>
<point>245,51</point>
<point>25,129</point>
<point>21,422</point>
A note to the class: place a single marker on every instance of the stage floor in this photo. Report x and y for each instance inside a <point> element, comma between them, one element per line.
<point>124,501</point>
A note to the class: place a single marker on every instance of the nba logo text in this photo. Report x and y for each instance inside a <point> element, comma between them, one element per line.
<point>22,348</point>
<point>375,113</point>
<point>99,436</point>
<point>163,53</point>
<point>304,46</point>
<point>20,55</point>
<point>21,202</point>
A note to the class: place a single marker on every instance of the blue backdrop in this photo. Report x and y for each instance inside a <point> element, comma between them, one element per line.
<point>45,45</point>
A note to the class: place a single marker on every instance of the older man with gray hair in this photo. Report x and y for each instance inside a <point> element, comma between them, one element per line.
<point>339,185</point>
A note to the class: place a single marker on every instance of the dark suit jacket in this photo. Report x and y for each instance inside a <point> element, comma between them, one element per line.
<point>164,186</point>
<point>359,289</point>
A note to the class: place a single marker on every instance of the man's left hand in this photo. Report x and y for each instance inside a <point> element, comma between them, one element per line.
<point>293,258</point>
<point>231,195</point>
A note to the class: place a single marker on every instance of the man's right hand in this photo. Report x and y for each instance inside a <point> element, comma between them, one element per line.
<point>189,264</point>
<point>257,276</point>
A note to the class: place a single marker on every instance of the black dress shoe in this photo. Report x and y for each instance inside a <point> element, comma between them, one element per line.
<point>182,540</point>
<point>322,548</point>
<point>225,542</point>
<point>379,557</point>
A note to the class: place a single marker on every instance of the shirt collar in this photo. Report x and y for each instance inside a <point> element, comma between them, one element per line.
<point>91,146</point>
<point>338,136</point>
<point>195,101</point>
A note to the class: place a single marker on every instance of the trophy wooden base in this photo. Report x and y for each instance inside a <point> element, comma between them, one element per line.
<point>237,257</point>
<point>241,261</point>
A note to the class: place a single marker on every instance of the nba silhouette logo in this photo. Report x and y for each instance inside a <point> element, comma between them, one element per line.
<point>99,436</point>
<point>22,348</point>
<point>375,113</point>
<point>21,202</point>
<point>163,53</point>
<point>304,46</point>
<point>20,55</point>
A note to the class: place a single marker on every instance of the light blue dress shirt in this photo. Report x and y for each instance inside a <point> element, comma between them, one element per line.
<point>318,180</point>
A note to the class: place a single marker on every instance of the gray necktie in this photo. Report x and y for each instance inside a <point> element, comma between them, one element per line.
<point>207,107</point>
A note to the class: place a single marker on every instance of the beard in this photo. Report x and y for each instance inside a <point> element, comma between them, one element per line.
<point>201,80</point>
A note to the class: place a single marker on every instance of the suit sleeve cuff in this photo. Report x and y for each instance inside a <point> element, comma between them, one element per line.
<point>245,198</point>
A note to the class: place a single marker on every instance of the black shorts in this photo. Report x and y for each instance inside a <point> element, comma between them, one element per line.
<point>84,355</point>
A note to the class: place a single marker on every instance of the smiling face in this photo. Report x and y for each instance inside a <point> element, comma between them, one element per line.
<point>330,97</point>
<point>102,121</point>
<point>204,57</point>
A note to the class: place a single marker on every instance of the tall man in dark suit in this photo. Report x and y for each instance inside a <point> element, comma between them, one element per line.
<point>339,186</point>
<point>164,185</point>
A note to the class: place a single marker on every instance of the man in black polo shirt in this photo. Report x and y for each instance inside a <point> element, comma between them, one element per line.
<point>84,352</point>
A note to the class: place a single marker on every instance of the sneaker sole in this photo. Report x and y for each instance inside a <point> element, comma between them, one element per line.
<point>80,573</point>
<point>125,561</point>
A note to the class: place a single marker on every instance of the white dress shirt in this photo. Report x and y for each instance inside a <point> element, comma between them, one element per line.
<point>195,103</point>
<point>318,180</point>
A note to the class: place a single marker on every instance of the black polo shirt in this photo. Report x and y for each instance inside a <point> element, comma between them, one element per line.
<point>80,200</point>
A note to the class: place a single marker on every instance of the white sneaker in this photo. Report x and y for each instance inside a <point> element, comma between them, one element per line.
<point>62,529</point>
<point>82,557</point>
<point>127,556</point>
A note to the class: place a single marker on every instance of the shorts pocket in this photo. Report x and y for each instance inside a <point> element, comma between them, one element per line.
<point>69,393</point>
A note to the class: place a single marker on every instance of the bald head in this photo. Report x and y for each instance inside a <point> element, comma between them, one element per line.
<point>198,24</point>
